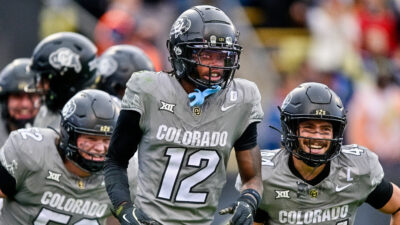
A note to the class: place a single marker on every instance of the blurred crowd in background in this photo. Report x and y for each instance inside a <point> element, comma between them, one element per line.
<point>350,45</point>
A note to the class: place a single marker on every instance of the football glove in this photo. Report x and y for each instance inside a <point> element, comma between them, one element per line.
<point>129,214</point>
<point>244,208</point>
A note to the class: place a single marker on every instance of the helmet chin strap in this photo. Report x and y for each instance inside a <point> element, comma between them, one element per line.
<point>197,98</point>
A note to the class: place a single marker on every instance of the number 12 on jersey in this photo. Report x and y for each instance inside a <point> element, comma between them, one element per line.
<point>176,157</point>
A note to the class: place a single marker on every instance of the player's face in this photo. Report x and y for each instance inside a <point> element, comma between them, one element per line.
<point>313,135</point>
<point>23,106</point>
<point>92,147</point>
<point>211,58</point>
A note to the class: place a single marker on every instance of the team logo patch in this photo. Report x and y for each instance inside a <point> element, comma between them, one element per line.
<point>320,112</point>
<point>196,111</point>
<point>81,185</point>
<point>180,26</point>
<point>68,109</point>
<point>107,66</point>
<point>54,176</point>
<point>65,57</point>
<point>282,194</point>
<point>167,106</point>
<point>22,85</point>
<point>313,193</point>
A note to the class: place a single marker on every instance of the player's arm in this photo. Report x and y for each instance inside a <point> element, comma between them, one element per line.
<point>7,184</point>
<point>248,158</point>
<point>393,206</point>
<point>386,198</point>
<point>123,145</point>
<point>249,163</point>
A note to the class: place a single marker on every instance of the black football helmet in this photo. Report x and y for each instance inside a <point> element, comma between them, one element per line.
<point>312,101</point>
<point>13,79</point>
<point>116,65</point>
<point>67,61</point>
<point>198,29</point>
<point>92,112</point>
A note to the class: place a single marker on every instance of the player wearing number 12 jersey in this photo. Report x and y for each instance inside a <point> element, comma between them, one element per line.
<point>47,178</point>
<point>185,125</point>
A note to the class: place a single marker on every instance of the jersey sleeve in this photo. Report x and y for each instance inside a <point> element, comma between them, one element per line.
<point>257,113</point>
<point>367,163</point>
<point>376,170</point>
<point>134,93</point>
<point>19,160</point>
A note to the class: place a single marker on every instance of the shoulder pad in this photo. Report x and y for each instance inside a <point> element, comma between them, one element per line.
<point>143,80</point>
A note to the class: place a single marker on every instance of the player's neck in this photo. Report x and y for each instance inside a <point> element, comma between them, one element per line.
<point>187,86</point>
<point>306,171</point>
<point>74,169</point>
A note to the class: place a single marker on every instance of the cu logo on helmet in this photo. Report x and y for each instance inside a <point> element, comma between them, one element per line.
<point>180,26</point>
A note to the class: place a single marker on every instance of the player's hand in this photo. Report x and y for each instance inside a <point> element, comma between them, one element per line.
<point>243,209</point>
<point>129,214</point>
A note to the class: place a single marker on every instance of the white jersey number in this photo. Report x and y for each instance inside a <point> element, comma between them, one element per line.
<point>46,215</point>
<point>170,177</point>
<point>353,150</point>
<point>32,133</point>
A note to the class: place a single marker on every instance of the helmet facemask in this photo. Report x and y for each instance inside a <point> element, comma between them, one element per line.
<point>312,101</point>
<point>74,153</point>
<point>194,57</point>
<point>90,112</point>
<point>292,144</point>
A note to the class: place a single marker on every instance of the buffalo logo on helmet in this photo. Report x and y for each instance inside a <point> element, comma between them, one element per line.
<point>68,109</point>
<point>180,26</point>
<point>65,57</point>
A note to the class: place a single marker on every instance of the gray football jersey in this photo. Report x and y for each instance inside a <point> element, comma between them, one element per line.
<point>47,193</point>
<point>46,118</point>
<point>3,132</point>
<point>354,174</point>
<point>184,151</point>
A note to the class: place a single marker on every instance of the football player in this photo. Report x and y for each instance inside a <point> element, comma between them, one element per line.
<point>185,124</point>
<point>314,179</point>
<point>64,63</point>
<point>116,65</point>
<point>48,177</point>
<point>18,108</point>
